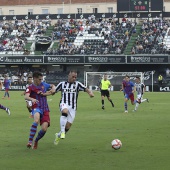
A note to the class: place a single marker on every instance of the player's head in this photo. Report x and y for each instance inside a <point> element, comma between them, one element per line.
<point>37,78</point>
<point>72,76</point>
<point>29,79</point>
<point>137,79</point>
<point>127,78</point>
<point>6,76</point>
<point>105,77</point>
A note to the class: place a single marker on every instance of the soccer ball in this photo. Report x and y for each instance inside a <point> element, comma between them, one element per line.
<point>116,144</point>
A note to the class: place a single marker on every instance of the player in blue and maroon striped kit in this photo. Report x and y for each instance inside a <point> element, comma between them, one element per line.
<point>7,84</point>
<point>40,110</point>
<point>129,89</point>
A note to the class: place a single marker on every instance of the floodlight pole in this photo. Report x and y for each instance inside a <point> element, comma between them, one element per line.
<point>63,5</point>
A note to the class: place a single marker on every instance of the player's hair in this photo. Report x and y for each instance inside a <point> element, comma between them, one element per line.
<point>29,77</point>
<point>137,77</point>
<point>127,76</point>
<point>73,71</point>
<point>36,74</point>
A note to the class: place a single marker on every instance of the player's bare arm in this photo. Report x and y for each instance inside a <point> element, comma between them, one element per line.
<point>53,89</point>
<point>1,84</point>
<point>89,92</point>
<point>48,93</point>
<point>122,87</point>
<point>23,93</point>
<point>133,91</point>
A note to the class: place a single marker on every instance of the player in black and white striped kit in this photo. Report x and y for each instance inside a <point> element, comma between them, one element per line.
<point>140,89</point>
<point>29,103</point>
<point>68,103</point>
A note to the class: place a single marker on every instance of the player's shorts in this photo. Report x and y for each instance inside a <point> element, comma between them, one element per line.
<point>45,118</point>
<point>6,89</point>
<point>35,110</point>
<point>105,93</point>
<point>130,96</point>
<point>71,112</point>
<point>139,97</point>
<point>29,102</point>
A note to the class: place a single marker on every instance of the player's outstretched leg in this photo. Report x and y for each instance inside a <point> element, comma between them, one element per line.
<point>33,131</point>
<point>57,138</point>
<point>125,105</point>
<point>143,100</point>
<point>136,107</point>
<point>6,109</point>
<point>41,133</point>
<point>110,100</point>
<point>63,121</point>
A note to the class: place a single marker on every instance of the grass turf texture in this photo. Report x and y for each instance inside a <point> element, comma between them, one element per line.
<point>144,134</point>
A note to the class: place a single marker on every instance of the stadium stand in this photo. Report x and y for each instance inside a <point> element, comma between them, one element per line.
<point>17,37</point>
<point>91,36</point>
<point>153,38</point>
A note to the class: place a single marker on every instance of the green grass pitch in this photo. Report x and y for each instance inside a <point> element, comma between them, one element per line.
<point>87,146</point>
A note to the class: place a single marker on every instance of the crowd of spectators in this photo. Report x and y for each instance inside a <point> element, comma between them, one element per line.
<point>94,36</point>
<point>15,34</point>
<point>18,76</point>
<point>151,38</point>
<point>86,36</point>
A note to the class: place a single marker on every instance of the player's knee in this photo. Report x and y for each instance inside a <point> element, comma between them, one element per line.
<point>44,129</point>
<point>64,114</point>
<point>139,101</point>
<point>36,121</point>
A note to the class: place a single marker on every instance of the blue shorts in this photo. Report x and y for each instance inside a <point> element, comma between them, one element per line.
<point>35,110</point>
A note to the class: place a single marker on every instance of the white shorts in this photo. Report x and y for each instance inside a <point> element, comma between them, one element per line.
<point>139,97</point>
<point>29,102</point>
<point>71,112</point>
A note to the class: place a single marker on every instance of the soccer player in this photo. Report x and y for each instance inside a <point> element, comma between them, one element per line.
<point>40,110</point>
<point>140,89</point>
<point>129,89</point>
<point>1,106</point>
<point>68,103</point>
<point>122,89</point>
<point>104,85</point>
<point>28,103</point>
<point>7,85</point>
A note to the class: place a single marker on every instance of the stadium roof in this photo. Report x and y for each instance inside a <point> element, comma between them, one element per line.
<point>40,2</point>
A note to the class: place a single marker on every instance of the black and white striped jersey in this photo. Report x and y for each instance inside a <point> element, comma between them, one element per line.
<point>69,92</point>
<point>139,88</point>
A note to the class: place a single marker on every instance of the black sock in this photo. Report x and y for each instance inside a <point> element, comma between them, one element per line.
<point>66,130</point>
<point>111,102</point>
<point>103,102</point>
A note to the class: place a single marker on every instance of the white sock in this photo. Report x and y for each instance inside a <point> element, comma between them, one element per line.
<point>63,121</point>
<point>143,100</point>
<point>136,106</point>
